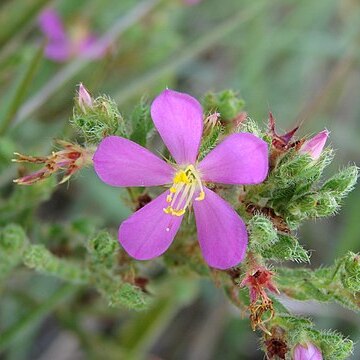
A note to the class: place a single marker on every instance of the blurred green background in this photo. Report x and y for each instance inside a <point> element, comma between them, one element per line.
<point>299,59</point>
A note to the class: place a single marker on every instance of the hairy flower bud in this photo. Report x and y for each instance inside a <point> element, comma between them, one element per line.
<point>84,98</point>
<point>315,145</point>
<point>227,103</point>
<point>103,248</point>
<point>96,118</point>
<point>351,275</point>
<point>307,352</point>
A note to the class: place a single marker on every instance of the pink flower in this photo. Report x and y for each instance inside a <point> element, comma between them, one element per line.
<point>239,159</point>
<point>307,352</point>
<point>61,47</point>
<point>315,145</point>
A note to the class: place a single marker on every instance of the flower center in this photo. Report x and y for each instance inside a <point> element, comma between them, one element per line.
<point>185,183</point>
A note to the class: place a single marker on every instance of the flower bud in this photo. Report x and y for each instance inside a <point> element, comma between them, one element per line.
<point>96,118</point>
<point>315,145</point>
<point>227,103</point>
<point>210,122</point>
<point>307,352</point>
<point>103,248</point>
<point>351,274</point>
<point>84,98</point>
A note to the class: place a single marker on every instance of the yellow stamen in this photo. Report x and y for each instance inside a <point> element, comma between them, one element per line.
<point>178,212</point>
<point>167,210</point>
<point>185,183</point>
<point>201,196</point>
<point>181,177</point>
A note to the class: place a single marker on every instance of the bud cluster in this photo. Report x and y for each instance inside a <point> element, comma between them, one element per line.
<point>226,103</point>
<point>96,118</point>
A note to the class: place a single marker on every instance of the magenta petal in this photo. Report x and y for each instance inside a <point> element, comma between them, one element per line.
<point>58,50</point>
<point>121,162</point>
<point>222,233</point>
<point>90,47</point>
<point>149,232</point>
<point>52,25</point>
<point>307,352</point>
<point>179,119</point>
<point>240,159</point>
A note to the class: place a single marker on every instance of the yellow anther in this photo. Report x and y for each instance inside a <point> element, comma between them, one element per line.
<point>178,212</point>
<point>171,211</point>
<point>167,210</point>
<point>201,196</point>
<point>181,177</point>
<point>185,183</point>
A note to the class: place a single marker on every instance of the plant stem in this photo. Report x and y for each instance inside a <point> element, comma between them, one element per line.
<point>67,73</point>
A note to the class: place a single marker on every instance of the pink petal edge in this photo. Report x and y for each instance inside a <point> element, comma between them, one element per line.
<point>179,119</point>
<point>58,51</point>
<point>121,162</point>
<point>51,25</point>
<point>240,159</point>
<point>221,232</point>
<point>149,232</point>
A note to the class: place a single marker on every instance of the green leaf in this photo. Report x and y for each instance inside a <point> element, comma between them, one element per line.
<point>286,248</point>
<point>141,122</point>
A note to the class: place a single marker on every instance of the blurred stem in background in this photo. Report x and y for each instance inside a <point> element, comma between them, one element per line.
<point>67,73</point>
<point>182,57</point>
<point>21,86</point>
